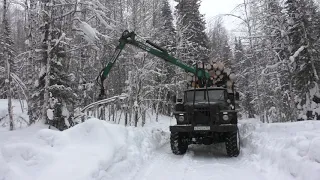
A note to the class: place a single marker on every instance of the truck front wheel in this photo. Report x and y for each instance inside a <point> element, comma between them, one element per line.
<point>178,143</point>
<point>233,144</point>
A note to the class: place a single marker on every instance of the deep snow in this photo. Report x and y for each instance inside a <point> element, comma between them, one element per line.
<point>100,150</point>
<point>292,148</point>
<point>91,150</point>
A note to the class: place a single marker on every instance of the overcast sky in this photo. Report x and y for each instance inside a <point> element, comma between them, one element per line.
<point>212,8</point>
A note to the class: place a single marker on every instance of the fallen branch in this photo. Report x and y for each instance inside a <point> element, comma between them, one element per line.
<point>23,119</point>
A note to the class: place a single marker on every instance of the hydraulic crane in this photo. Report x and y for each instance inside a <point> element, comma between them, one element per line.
<point>152,48</point>
<point>203,75</point>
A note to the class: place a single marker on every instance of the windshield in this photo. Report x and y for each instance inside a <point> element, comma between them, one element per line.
<point>214,95</point>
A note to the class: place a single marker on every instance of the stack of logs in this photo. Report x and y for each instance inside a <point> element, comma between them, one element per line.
<point>220,76</point>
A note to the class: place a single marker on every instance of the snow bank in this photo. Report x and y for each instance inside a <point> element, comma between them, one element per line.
<point>94,149</point>
<point>293,148</point>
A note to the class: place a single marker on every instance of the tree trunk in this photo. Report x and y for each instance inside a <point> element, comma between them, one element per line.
<point>143,118</point>
<point>102,112</point>
<point>119,120</point>
<point>130,113</point>
<point>113,113</point>
<point>8,58</point>
<point>109,114</point>
<point>136,118</point>
<point>157,106</point>
<point>30,61</point>
<point>126,116</point>
<point>9,97</point>
<point>46,60</point>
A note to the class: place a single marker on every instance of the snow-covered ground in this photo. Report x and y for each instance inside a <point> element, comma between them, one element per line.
<point>100,150</point>
<point>92,150</point>
<point>291,148</point>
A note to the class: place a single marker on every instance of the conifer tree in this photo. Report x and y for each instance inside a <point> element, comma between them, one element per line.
<point>218,41</point>
<point>303,19</point>
<point>53,89</point>
<point>166,31</point>
<point>193,41</point>
<point>279,81</point>
<point>167,35</point>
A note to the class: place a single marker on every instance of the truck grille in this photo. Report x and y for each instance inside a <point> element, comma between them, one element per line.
<point>204,111</point>
<point>201,115</point>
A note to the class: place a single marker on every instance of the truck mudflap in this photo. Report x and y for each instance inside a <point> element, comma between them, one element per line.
<point>215,128</point>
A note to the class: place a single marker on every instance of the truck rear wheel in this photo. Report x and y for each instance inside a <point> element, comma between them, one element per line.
<point>178,145</point>
<point>233,144</point>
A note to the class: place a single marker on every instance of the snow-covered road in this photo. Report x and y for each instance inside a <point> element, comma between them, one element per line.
<point>288,151</point>
<point>205,163</point>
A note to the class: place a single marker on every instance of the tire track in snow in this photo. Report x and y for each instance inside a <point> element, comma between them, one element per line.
<point>205,163</point>
<point>165,163</point>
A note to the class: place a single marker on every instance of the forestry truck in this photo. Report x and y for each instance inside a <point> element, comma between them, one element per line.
<point>207,113</point>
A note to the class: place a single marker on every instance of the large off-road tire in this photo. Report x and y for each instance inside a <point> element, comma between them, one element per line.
<point>178,145</point>
<point>233,144</point>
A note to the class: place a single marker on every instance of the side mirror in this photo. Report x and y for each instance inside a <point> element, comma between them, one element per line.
<point>237,96</point>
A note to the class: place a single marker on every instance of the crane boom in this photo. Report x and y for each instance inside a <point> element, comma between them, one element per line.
<point>129,38</point>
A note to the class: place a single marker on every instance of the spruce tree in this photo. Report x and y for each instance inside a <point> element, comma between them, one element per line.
<point>166,31</point>
<point>53,92</point>
<point>219,46</point>
<point>167,40</point>
<point>62,97</point>
<point>271,54</point>
<point>303,19</point>
<point>192,37</point>
<point>282,93</point>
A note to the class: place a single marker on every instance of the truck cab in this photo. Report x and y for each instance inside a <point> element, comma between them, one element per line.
<point>206,116</point>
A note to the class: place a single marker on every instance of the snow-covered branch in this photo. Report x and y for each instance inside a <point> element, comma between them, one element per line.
<point>296,54</point>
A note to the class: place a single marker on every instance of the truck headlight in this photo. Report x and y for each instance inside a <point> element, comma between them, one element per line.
<point>181,118</point>
<point>225,117</point>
